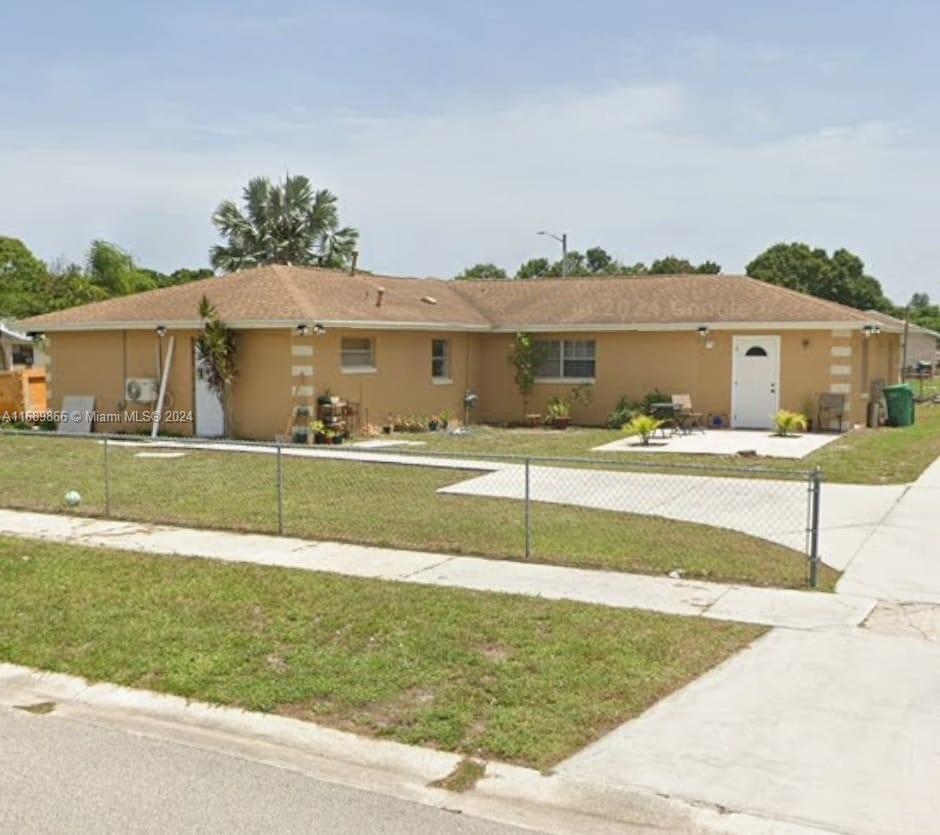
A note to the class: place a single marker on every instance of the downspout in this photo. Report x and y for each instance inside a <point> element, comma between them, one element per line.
<point>907,333</point>
<point>163,380</point>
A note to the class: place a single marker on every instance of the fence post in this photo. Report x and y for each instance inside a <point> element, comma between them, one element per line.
<point>815,482</point>
<point>528,512</point>
<point>107,477</point>
<point>280,492</point>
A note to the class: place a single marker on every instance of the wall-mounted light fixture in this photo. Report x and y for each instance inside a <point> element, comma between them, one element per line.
<point>161,331</point>
<point>302,330</point>
<point>319,330</point>
<point>703,331</point>
<point>870,330</point>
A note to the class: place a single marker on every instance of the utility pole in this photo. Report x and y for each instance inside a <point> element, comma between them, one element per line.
<point>563,240</point>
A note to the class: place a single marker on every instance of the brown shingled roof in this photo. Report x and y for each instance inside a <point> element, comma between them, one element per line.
<point>284,294</point>
<point>279,294</point>
<point>648,300</point>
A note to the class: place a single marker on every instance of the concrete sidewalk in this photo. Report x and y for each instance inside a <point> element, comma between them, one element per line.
<point>721,601</point>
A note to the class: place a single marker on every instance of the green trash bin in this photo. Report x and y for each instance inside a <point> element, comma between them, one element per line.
<point>900,400</point>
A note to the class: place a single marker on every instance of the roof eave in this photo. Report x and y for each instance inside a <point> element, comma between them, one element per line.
<point>851,325</point>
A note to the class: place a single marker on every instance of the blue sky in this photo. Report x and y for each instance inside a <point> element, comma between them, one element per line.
<point>452,132</point>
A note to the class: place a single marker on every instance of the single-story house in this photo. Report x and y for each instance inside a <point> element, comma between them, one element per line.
<point>923,345</point>
<point>16,349</point>
<point>741,348</point>
<point>22,379</point>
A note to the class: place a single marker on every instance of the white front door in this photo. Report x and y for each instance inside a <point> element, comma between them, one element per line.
<point>210,419</point>
<point>755,381</point>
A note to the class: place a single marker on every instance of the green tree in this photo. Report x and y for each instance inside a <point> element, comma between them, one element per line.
<point>534,268</point>
<point>598,260</point>
<point>839,278</point>
<point>184,275</point>
<point>287,223</point>
<point>919,301</point>
<point>923,313</point>
<point>114,269</point>
<point>525,356</point>
<point>22,276</point>
<point>483,270</point>
<point>215,346</point>
<point>672,265</point>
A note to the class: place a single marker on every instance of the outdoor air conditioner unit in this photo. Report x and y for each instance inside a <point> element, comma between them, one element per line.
<point>140,389</point>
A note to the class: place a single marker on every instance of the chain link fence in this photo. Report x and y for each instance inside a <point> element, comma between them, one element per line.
<point>645,516</point>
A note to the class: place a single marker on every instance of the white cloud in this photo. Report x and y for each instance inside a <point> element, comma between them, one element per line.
<point>627,167</point>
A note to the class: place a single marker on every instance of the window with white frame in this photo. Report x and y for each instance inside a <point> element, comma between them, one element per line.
<point>357,353</point>
<point>440,359</point>
<point>21,354</point>
<point>567,359</point>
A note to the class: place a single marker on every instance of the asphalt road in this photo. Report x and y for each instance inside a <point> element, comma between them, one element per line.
<point>57,775</point>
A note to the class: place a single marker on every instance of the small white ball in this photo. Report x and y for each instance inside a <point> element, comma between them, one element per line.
<point>72,498</point>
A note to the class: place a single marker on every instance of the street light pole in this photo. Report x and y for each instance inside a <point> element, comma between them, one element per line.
<point>563,240</point>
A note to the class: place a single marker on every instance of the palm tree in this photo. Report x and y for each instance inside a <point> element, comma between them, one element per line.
<point>288,223</point>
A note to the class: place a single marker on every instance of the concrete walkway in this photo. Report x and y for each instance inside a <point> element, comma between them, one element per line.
<point>774,509</point>
<point>771,607</point>
<point>771,509</point>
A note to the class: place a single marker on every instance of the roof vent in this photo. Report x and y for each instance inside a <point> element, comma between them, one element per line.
<point>380,291</point>
<point>429,299</point>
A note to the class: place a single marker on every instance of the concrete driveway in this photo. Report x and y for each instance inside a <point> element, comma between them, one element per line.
<point>838,731</point>
<point>771,509</point>
<point>900,561</point>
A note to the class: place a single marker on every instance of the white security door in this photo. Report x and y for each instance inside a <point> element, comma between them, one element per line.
<point>210,420</point>
<point>755,381</point>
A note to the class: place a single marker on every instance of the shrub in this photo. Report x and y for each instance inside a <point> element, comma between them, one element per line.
<point>654,396</point>
<point>558,407</point>
<point>622,413</point>
<point>644,426</point>
<point>787,422</point>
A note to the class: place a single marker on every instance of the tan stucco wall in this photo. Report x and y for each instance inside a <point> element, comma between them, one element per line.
<point>634,363</point>
<point>98,363</point>
<point>261,395</point>
<point>402,383</point>
<point>274,367</point>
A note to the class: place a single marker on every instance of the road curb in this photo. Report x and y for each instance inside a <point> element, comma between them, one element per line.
<point>508,794</point>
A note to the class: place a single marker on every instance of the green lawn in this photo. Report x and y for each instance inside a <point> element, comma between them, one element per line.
<point>388,505</point>
<point>863,456</point>
<point>516,679</point>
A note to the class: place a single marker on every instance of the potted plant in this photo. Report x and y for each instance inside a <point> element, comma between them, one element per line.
<point>326,398</point>
<point>559,413</point>
<point>786,423</point>
<point>444,418</point>
<point>318,429</point>
<point>808,410</point>
<point>644,426</point>
<point>434,423</point>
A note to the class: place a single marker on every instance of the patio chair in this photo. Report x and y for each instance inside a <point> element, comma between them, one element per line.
<point>687,420</point>
<point>833,407</point>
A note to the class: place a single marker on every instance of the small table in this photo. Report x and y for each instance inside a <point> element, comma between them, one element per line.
<point>665,412</point>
